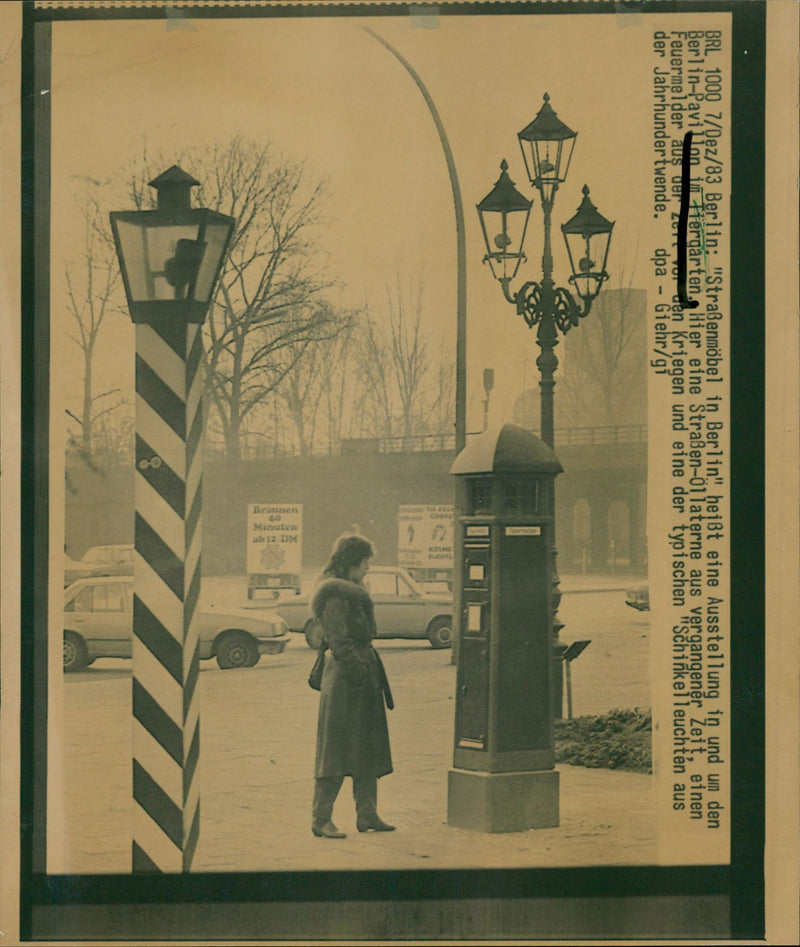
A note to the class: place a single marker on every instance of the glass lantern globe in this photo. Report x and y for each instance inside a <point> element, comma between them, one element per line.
<point>503,214</point>
<point>588,238</point>
<point>171,257</point>
<point>547,145</point>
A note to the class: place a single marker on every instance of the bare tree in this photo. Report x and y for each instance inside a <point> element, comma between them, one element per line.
<point>319,380</point>
<point>410,359</point>
<point>442,412</point>
<point>302,395</point>
<point>375,397</point>
<point>114,434</point>
<point>340,385</point>
<point>603,369</point>
<point>395,367</point>
<point>91,296</point>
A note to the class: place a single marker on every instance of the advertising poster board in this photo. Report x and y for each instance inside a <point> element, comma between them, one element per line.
<point>274,538</point>
<point>425,537</point>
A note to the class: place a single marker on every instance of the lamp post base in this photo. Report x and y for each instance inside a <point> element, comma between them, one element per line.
<point>503,802</point>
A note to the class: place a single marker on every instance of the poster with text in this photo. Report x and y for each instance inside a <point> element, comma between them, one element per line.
<point>274,538</point>
<point>425,537</point>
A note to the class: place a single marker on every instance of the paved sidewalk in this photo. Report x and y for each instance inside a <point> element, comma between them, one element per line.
<point>258,729</point>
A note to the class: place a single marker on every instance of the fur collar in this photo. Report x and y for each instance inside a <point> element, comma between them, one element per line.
<point>352,592</point>
<point>360,610</point>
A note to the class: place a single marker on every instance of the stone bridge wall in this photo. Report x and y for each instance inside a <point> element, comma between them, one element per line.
<point>364,488</point>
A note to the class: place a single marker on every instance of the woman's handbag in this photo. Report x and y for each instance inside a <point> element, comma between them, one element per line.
<point>383,680</point>
<point>315,677</point>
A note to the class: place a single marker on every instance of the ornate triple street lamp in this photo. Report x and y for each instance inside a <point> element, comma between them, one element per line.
<point>170,259</point>
<point>547,145</point>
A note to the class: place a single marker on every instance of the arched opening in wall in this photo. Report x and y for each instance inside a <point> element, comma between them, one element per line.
<point>618,535</point>
<point>581,534</point>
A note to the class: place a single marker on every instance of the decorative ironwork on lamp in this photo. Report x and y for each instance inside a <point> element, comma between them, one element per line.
<point>547,145</point>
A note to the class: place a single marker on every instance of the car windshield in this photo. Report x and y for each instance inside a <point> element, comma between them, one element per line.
<point>391,583</point>
<point>381,583</point>
<point>80,601</point>
<point>98,596</point>
<point>416,587</point>
<point>405,587</point>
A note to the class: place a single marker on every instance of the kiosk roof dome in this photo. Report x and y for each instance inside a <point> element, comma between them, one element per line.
<point>505,450</point>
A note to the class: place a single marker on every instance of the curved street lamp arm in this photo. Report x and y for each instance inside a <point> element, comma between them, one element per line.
<point>513,298</point>
<point>461,248</point>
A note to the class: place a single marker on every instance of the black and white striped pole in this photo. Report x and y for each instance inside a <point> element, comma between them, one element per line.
<point>170,260</point>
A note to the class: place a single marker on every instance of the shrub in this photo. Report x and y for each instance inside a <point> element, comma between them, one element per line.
<point>619,739</point>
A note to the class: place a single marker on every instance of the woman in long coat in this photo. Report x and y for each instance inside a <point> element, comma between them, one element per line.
<point>352,735</point>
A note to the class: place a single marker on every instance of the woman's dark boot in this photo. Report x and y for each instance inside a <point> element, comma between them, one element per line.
<point>373,823</point>
<point>326,830</point>
<point>326,789</point>
<point>365,793</point>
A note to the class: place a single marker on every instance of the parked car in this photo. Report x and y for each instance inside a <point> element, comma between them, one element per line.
<point>98,623</point>
<point>638,598</point>
<point>99,560</point>
<point>433,580</point>
<point>402,610</point>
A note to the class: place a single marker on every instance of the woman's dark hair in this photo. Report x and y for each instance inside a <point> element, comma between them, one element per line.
<point>348,551</point>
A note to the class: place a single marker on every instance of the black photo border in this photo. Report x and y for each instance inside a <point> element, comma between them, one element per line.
<point>501,903</point>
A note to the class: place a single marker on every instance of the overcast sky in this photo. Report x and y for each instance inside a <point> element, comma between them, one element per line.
<point>324,90</point>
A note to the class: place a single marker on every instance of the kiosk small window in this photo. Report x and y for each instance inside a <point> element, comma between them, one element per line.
<point>520,496</point>
<point>480,496</point>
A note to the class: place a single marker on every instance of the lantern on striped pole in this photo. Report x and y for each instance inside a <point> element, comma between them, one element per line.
<point>170,259</point>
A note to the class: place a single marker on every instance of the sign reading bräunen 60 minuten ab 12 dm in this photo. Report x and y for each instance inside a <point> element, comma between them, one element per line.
<point>275,538</point>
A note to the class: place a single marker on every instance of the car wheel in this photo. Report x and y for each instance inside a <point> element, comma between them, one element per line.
<point>313,633</point>
<point>237,650</point>
<point>76,657</point>
<point>440,632</point>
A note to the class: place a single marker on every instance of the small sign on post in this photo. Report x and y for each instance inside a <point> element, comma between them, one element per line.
<point>274,548</point>
<point>572,652</point>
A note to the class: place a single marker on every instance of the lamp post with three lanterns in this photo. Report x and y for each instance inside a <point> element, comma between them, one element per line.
<point>547,145</point>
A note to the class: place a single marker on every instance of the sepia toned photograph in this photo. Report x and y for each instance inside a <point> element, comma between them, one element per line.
<point>323,361</point>
<point>392,556</point>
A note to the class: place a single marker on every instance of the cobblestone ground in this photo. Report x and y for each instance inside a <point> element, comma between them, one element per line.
<point>258,728</point>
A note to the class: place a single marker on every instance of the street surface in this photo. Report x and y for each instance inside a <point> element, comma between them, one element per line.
<point>258,729</point>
